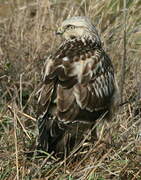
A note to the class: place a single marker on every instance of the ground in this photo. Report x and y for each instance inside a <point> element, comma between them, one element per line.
<point>26,39</point>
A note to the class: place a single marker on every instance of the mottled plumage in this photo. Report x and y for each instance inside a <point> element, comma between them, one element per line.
<point>78,87</point>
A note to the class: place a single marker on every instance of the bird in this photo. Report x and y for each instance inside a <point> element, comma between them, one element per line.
<point>78,87</point>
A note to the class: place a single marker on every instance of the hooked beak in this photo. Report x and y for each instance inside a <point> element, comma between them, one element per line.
<point>59,32</point>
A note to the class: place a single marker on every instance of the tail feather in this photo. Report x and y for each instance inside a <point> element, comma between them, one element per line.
<point>51,131</point>
<point>60,138</point>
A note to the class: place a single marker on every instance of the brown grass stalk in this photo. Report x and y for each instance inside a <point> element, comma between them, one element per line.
<point>16,145</point>
<point>123,65</point>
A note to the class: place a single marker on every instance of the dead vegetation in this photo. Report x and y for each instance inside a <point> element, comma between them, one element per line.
<point>26,39</point>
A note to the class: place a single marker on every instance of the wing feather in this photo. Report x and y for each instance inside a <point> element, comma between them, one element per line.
<point>65,98</point>
<point>85,78</point>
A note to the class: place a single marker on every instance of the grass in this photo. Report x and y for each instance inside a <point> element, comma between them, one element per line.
<point>26,39</point>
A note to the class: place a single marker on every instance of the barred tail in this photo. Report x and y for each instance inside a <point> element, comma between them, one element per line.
<point>52,135</point>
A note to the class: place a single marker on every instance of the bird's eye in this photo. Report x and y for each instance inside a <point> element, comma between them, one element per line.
<point>70,26</point>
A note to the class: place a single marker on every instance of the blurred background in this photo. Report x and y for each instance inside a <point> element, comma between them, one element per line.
<point>27,37</point>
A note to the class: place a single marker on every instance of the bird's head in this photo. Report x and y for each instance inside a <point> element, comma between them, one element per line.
<point>78,27</point>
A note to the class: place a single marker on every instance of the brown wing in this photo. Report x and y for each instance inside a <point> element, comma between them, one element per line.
<point>96,93</point>
<point>45,96</point>
<point>85,76</point>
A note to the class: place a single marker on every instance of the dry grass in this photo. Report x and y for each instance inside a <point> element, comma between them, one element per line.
<point>26,39</point>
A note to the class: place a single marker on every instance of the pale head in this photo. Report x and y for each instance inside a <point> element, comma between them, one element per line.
<point>78,27</point>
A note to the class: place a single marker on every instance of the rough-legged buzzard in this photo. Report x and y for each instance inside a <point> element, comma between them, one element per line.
<point>78,87</point>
